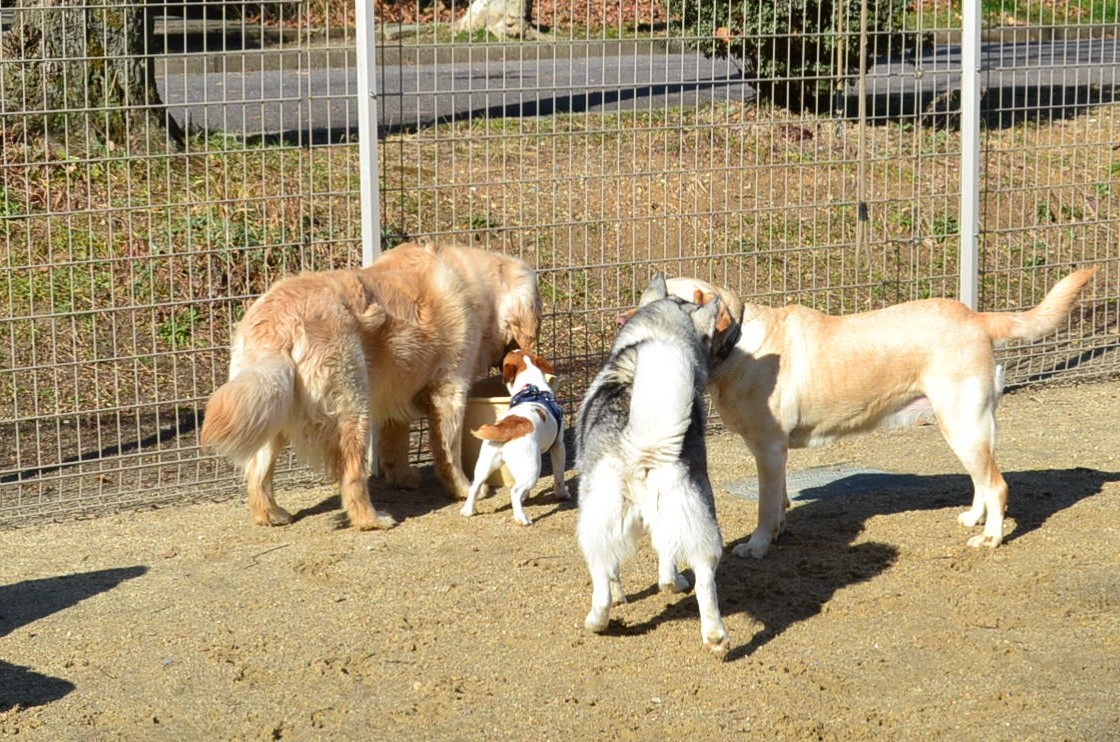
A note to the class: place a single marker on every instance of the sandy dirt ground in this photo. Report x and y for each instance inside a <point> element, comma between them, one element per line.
<point>869,619</point>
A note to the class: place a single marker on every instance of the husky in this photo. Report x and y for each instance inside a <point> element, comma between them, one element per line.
<point>642,457</point>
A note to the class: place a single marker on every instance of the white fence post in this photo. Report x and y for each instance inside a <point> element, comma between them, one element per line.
<point>367,131</point>
<point>970,154</point>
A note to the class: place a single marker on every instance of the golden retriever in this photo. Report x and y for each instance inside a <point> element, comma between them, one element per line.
<point>798,377</point>
<point>333,361</point>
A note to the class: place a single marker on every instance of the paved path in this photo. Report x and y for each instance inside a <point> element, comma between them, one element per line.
<point>416,96</point>
<point>1028,75</point>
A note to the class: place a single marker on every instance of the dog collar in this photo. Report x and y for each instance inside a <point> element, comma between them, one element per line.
<point>530,393</point>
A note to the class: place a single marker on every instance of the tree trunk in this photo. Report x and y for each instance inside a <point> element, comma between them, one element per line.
<point>79,74</point>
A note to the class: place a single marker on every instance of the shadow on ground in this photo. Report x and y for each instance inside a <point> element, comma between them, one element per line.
<point>817,555</point>
<point>24,602</point>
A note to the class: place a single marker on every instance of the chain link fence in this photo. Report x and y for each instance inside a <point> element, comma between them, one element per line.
<point>201,150</point>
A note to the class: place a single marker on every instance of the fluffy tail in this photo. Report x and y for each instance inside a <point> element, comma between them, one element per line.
<point>504,430</point>
<point>660,404</point>
<point>1044,319</point>
<point>250,409</point>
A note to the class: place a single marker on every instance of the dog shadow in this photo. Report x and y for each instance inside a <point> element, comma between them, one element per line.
<point>23,603</point>
<point>816,555</point>
<point>399,502</point>
<point>431,495</point>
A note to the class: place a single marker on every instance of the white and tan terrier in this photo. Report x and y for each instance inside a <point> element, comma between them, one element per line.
<point>533,425</point>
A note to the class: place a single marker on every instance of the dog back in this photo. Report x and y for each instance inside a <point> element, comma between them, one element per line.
<point>645,407</point>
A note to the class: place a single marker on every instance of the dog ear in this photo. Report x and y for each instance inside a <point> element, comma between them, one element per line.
<point>706,318</point>
<point>543,364</point>
<point>724,320</point>
<point>726,334</point>
<point>655,290</point>
<point>511,364</point>
<point>621,319</point>
<point>698,297</point>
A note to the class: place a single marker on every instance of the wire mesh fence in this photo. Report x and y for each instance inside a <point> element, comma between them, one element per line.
<point>213,148</point>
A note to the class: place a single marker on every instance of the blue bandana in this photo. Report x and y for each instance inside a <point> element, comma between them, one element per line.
<point>530,393</point>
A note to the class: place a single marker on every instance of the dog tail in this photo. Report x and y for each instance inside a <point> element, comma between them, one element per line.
<point>250,409</point>
<point>1044,319</point>
<point>505,430</point>
<point>660,404</point>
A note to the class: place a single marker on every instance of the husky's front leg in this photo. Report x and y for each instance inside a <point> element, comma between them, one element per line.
<point>668,578</point>
<point>559,454</point>
<point>712,630</point>
<point>602,586</point>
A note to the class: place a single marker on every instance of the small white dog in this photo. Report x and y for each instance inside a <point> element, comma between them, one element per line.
<point>533,425</point>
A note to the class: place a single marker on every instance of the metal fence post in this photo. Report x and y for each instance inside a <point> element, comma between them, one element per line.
<point>970,154</point>
<point>367,131</point>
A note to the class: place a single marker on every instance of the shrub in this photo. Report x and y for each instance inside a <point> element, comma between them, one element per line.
<point>797,52</point>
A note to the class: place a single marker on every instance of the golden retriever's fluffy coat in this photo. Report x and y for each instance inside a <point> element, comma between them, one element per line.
<point>334,360</point>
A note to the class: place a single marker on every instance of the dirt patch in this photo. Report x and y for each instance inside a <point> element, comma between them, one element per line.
<point>870,618</point>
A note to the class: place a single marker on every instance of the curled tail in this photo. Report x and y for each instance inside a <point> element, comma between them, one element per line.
<point>660,404</point>
<point>506,429</point>
<point>1044,319</point>
<point>250,409</point>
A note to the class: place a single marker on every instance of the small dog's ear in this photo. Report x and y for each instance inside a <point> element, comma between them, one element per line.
<point>621,319</point>
<point>511,364</point>
<point>655,290</point>
<point>698,297</point>
<point>543,364</point>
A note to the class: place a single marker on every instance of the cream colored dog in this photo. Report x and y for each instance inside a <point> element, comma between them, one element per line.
<point>326,360</point>
<point>798,377</point>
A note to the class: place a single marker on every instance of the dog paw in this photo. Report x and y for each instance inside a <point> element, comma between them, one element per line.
<point>596,621</point>
<point>377,521</point>
<point>755,547</point>
<point>466,511</point>
<point>984,540</point>
<point>680,584</point>
<point>718,645</point>
<point>274,516</point>
<point>523,520</point>
<point>970,518</point>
